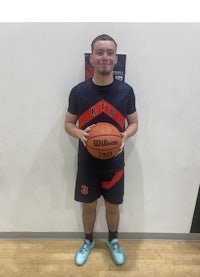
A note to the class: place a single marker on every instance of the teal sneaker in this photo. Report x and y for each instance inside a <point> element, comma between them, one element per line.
<point>84,251</point>
<point>117,253</point>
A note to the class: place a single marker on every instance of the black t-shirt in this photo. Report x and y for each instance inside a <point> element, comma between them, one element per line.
<point>93,104</point>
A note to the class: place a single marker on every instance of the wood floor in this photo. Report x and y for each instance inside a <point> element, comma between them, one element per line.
<point>55,258</point>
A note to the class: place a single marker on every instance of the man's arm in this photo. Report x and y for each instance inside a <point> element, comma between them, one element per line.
<point>131,129</point>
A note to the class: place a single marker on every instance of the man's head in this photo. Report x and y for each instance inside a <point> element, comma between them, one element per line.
<point>102,37</point>
<point>103,57</point>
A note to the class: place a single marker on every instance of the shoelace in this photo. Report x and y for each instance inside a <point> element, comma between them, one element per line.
<point>84,248</point>
<point>117,249</point>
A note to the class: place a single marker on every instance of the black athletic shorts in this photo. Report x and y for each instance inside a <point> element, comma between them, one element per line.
<point>91,185</point>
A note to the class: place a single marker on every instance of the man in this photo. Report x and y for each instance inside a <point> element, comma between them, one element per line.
<point>101,99</point>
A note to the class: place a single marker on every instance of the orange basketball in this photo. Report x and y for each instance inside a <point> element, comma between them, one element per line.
<point>104,141</point>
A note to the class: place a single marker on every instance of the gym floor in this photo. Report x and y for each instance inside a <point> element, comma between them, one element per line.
<point>55,258</point>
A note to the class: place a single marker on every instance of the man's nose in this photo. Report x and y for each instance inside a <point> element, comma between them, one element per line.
<point>105,55</point>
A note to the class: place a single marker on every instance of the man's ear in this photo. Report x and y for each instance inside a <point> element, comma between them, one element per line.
<point>91,60</point>
<point>116,59</point>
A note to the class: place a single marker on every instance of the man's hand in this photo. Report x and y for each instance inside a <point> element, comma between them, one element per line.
<point>84,134</point>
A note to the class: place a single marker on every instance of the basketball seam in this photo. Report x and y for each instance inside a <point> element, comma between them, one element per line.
<point>103,150</point>
<point>104,136</point>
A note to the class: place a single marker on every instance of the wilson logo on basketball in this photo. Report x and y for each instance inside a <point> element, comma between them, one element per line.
<point>84,189</point>
<point>104,142</point>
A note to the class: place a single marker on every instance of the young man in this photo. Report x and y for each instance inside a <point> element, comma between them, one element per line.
<point>101,99</point>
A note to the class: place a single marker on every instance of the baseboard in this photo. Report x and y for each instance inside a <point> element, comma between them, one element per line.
<point>99,235</point>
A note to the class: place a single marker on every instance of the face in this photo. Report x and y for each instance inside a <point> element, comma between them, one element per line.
<point>104,57</point>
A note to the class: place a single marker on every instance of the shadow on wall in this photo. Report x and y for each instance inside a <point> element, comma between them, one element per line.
<point>132,211</point>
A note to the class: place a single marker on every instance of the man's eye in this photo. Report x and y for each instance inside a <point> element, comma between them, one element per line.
<point>101,53</point>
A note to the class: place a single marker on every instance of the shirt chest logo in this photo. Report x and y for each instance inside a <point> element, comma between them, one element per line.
<point>101,107</point>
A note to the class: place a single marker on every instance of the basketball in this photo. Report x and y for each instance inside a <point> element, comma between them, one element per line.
<point>104,141</point>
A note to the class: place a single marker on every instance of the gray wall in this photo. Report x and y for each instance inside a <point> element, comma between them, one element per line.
<point>39,64</point>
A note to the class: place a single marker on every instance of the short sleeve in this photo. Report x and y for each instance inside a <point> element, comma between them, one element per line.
<point>72,104</point>
<point>131,108</point>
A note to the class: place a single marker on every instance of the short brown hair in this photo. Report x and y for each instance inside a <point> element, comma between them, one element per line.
<point>102,37</point>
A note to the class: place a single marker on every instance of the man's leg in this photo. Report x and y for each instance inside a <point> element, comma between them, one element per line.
<point>89,217</point>
<point>112,217</point>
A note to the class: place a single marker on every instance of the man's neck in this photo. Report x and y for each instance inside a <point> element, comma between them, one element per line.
<point>102,80</point>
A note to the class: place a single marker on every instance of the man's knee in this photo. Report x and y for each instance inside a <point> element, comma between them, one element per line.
<point>111,207</point>
<point>90,206</point>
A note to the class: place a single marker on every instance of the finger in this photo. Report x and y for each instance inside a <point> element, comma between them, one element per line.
<point>122,146</point>
<point>84,141</point>
<point>89,127</point>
